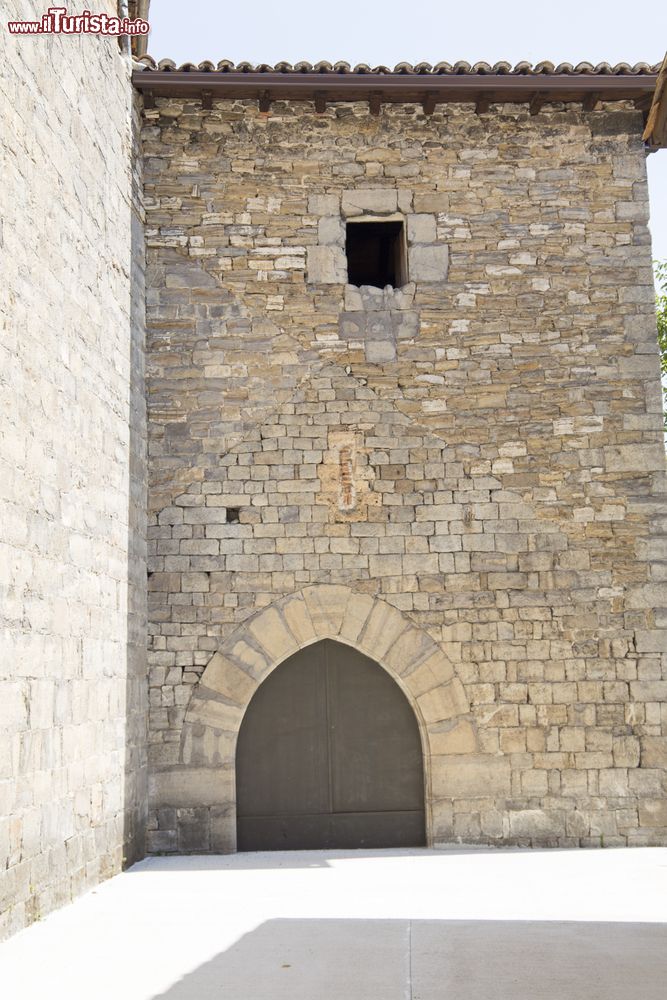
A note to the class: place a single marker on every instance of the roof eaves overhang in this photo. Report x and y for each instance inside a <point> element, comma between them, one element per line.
<point>428,89</point>
<point>655,133</point>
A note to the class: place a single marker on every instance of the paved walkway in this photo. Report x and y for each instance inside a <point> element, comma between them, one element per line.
<point>361,925</point>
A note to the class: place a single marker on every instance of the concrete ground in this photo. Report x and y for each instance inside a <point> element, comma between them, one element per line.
<point>358,925</point>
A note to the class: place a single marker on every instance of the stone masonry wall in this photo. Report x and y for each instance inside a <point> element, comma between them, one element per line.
<point>73,613</point>
<point>479,450</point>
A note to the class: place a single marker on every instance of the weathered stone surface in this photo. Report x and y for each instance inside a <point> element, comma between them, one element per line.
<point>383,627</point>
<point>216,714</point>
<point>443,702</point>
<point>428,263</point>
<point>193,787</point>
<point>326,606</point>
<point>357,610</point>
<point>271,631</point>
<point>225,678</point>
<point>222,830</point>
<point>470,776</point>
<point>297,616</point>
<point>459,738</point>
<point>421,228</point>
<point>379,351</point>
<point>326,265</point>
<point>536,825</point>
<point>324,204</point>
<point>479,451</point>
<point>375,201</point>
<point>654,751</point>
<point>330,230</point>
<point>653,813</point>
<point>73,695</point>
<point>432,672</point>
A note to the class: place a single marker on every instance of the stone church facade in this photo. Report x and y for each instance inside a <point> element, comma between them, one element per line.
<point>447,466</point>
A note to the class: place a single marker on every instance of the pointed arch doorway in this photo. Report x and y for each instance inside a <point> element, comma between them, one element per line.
<point>329,756</point>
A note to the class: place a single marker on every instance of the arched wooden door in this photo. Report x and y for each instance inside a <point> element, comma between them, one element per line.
<point>329,755</point>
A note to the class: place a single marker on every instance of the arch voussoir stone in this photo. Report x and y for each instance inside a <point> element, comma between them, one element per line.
<point>327,605</point>
<point>272,632</point>
<point>297,616</point>
<point>331,611</point>
<point>226,678</point>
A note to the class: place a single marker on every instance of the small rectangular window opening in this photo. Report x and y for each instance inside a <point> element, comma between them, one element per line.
<point>233,515</point>
<point>375,254</point>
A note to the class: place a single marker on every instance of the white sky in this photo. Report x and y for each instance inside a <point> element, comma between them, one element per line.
<point>391,31</point>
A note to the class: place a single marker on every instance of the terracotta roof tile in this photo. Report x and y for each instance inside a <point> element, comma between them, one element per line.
<point>423,68</point>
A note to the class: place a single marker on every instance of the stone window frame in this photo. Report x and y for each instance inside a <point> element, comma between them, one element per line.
<point>326,264</point>
<point>404,266</point>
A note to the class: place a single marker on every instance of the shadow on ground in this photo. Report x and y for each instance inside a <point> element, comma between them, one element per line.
<point>331,959</point>
<point>286,860</point>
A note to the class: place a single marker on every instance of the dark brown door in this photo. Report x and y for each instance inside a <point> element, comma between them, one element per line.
<point>329,755</point>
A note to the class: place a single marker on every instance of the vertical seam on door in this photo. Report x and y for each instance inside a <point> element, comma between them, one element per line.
<point>327,706</point>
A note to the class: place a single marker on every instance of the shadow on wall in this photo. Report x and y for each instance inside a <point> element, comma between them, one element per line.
<point>429,959</point>
<point>135,788</point>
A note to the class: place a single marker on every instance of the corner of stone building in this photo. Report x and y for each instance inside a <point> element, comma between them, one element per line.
<point>72,673</point>
<point>136,763</point>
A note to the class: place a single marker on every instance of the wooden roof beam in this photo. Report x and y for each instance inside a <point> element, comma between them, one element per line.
<point>537,102</point>
<point>375,102</point>
<point>482,104</point>
<point>402,87</point>
<point>655,133</point>
<point>591,102</point>
<point>428,103</point>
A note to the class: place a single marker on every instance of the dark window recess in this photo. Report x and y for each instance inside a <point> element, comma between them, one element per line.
<point>375,254</point>
<point>233,515</point>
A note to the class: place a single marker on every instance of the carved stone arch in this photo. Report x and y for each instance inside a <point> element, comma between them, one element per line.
<point>415,661</point>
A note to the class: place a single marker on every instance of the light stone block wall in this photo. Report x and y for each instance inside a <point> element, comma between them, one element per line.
<point>72,536</point>
<point>479,451</point>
